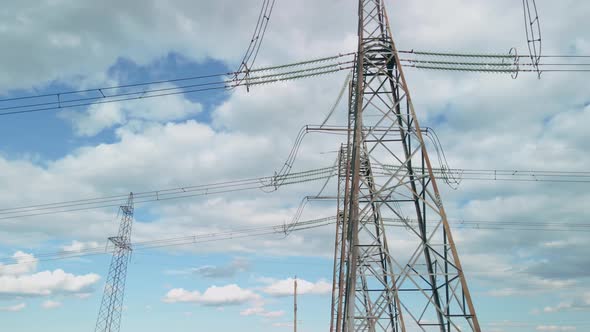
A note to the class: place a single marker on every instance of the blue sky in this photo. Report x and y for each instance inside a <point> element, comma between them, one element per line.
<point>520,280</point>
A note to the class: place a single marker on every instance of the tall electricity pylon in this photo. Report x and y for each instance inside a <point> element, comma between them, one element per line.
<point>385,176</point>
<point>111,307</point>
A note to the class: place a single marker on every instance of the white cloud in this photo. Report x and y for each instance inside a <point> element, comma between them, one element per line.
<point>24,263</point>
<point>49,304</point>
<point>64,40</point>
<point>559,307</point>
<point>47,283</point>
<point>213,296</point>
<point>503,325</point>
<point>251,311</point>
<point>533,284</point>
<point>255,130</point>
<point>79,246</point>
<point>21,279</point>
<point>230,270</point>
<point>576,302</point>
<point>282,324</point>
<point>99,117</point>
<point>555,328</point>
<point>83,296</point>
<point>285,287</point>
<point>494,270</point>
<point>61,40</point>
<point>119,167</point>
<point>262,312</point>
<point>14,308</point>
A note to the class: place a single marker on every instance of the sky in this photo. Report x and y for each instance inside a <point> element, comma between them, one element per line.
<point>519,280</point>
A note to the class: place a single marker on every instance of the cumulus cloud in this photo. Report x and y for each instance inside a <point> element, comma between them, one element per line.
<point>68,41</point>
<point>230,270</point>
<point>82,296</point>
<point>262,312</point>
<point>79,246</point>
<point>213,296</point>
<point>49,304</point>
<point>494,270</point>
<point>14,308</point>
<point>99,117</point>
<point>577,302</point>
<point>102,170</point>
<point>285,287</point>
<point>24,263</point>
<point>517,130</point>
<point>47,283</point>
<point>555,328</point>
<point>21,279</point>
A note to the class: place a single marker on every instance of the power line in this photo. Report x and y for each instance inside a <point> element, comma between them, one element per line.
<point>500,71</point>
<point>245,77</point>
<point>241,72</point>
<point>162,88</point>
<point>493,63</point>
<point>483,64</point>
<point>181,79</point>
<point>460,174</point>
<point>549,226</point>
<point>285,177</point>
<point>180,241</point>
<point>521,225</point>
<point>268,182</point>
<point>486,55</point>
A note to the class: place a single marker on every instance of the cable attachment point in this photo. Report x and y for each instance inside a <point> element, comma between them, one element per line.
<point>247,77</point>
<point>516,62</point>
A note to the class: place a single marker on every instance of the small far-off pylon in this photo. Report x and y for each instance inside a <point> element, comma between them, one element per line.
<point>111,307</point>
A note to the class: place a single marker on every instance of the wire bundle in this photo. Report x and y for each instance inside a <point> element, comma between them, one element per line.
<point>492,63</point>
<point>167,194</point>
<point>518,225</point>
<point>179,241</point>
<point>174,86</point>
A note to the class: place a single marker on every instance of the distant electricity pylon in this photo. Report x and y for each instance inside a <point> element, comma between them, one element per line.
<point>111,307</point>
<point>418,284</point>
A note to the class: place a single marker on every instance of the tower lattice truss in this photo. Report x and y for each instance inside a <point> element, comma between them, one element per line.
<point>415,282</point>
<point>111,307</point>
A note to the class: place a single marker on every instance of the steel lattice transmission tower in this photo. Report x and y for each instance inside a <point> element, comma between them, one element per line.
<point>111,307</point>
<point>386,176</point>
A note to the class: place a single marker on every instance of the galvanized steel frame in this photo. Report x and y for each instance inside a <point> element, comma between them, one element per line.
<point>375,290</point>
<point>111,307</point>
